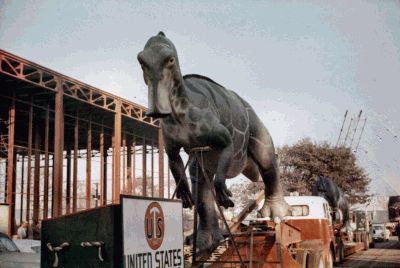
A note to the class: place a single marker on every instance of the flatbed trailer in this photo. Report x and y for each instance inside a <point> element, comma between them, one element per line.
<point>300,241</point>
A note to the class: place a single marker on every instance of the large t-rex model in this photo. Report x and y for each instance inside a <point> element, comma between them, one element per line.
<point>197,112</point>
<point>328,189</point>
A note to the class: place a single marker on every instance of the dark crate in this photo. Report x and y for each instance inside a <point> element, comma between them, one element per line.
<point>100,224</point>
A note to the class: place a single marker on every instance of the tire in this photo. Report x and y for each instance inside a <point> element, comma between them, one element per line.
<point>372,244</point>
<point>339,252</point>
<point>330,259</point>
<point>315,260</point>
<point>366,241</point>
<point>301,257</point>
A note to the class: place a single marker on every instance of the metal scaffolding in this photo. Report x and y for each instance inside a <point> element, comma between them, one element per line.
<point>59,138</point>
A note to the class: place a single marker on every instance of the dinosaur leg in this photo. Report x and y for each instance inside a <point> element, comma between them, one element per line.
<point>261,151</point>
<point>221,190</point>
<point>208,231</point>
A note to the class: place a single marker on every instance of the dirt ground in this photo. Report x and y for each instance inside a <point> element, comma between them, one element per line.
<point>385,254</point>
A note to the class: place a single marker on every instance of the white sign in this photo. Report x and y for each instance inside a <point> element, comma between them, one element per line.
<point>152,233</point>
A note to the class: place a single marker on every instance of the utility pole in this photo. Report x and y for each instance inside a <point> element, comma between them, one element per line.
<point>348,130</point>
<point>362,131</point>
<point>355,129</point>
<point>341,129</point>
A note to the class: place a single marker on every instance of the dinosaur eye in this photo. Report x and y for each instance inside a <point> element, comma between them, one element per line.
<point>171,62</point>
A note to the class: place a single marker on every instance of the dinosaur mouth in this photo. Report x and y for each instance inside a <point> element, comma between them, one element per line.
<point>155,114</point>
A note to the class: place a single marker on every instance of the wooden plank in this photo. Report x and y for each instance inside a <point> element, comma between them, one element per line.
<point>46,165</point>
<point>89,166</point>
<point>58,150</point>
<point>36,177</point>
<point>10,169</point>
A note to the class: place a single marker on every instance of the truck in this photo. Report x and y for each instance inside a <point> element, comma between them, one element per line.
<point>308,238</point>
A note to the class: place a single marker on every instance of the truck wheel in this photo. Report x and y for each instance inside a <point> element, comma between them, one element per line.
<point>301,257</point>
<point>366,241</point>
<point>330,260</point>
<point>315,260</point>
<point>339,252</point>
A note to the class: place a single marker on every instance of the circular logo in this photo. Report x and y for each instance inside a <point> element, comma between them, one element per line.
<point>154,225</point>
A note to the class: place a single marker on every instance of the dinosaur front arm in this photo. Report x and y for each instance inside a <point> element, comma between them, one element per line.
<point>178,172</point>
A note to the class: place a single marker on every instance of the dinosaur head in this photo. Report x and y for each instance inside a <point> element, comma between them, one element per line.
<point>161,73</point>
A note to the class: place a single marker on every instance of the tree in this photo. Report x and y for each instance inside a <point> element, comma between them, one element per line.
<point>302,162</point>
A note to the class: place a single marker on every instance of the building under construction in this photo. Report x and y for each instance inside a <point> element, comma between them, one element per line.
<point>66,146</point>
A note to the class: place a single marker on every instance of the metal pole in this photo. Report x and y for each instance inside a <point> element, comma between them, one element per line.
<point>355,129</point>
<point>29,171</point>
<point>102,175</point>
<point>22,189</point>
<point>362,131</point>
<point>124,183</point>
<point>10,169</point>
<point>348,130</point>
<point>68,194</point>
<point>144,167</point>
<point>341,129</point>
<point>117,152</point>
<point>46,165</point>
<point>129,165</point>
<point>75,171</point>
<point>152,168</point>
<point>36,177</point>
<point>58,149</point>
<point>134,179</point>
<point>160,163</point>
<point>88,166</point>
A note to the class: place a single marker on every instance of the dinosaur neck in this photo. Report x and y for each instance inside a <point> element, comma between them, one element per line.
<point>179,101</point>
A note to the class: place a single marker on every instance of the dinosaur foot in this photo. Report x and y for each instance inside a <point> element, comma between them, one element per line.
<point>274,208</point>
<point>206,240</point>
<point>222,193</point>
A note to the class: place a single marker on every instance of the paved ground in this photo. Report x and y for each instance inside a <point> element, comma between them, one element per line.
<point>385,254</point>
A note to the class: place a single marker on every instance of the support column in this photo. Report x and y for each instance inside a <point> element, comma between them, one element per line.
<point>129,165</point>
<point>134,179</point>
<point>10,169</point>
<point>29,168</point>
<point>144,167</point>
<point>22,189</point>
<point>89,166</point>
<point>46,165</point>
<point>160,163</point>
<point>58,150</point>
<point>117,151</point>
<point>75,171</point>
<point>103,170</point>
<point>124,183</point>
<point>68,190</point>
<point>36,177</point>
<point>152,168</point>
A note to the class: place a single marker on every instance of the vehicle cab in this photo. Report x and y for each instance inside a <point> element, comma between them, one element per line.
<point>312,216</point>
<point>380,232</point>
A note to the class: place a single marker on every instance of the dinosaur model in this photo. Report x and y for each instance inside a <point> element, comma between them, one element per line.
<point>195,112</point>
<point>328,189</point>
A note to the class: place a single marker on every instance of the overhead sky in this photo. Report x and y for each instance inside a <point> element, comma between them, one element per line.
<point>300,64</point>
